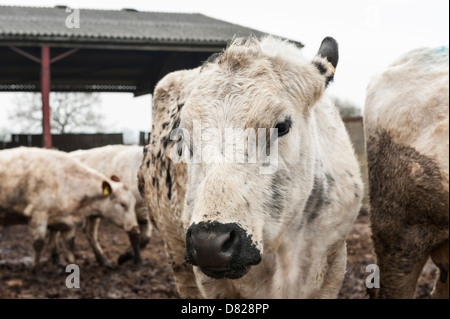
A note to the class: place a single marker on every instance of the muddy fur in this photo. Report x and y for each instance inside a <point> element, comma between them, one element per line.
<point>407,156</point>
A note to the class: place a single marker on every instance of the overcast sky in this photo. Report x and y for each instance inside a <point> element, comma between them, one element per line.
<point>370,33</point>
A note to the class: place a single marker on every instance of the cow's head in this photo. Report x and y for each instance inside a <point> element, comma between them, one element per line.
<point>240,199</point>
<point>114,201</point>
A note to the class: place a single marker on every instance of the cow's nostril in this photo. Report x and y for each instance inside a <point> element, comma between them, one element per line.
<point>231,244</point>
<point>211,248</point>
<point>220,250</point>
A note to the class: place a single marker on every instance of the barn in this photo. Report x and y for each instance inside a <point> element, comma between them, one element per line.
<point>63,49</point>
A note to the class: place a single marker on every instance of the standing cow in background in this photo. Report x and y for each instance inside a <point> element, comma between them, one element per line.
<point>47,188</point>
<point>253,229</point>
<point>406,124</point>
<point>122,161</point>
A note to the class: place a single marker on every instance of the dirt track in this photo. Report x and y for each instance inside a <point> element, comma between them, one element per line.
<point>152,279</point>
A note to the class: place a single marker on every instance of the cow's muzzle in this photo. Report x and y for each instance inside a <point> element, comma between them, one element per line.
<point>220,250</point>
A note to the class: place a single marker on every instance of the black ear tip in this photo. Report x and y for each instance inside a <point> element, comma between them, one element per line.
<point>329,49</point>
<point>330,41</point>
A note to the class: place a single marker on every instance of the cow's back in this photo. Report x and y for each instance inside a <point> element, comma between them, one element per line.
<point>48,179</point>
<point>120,160</point>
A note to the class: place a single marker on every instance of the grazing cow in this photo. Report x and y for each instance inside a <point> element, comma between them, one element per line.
<point>249,228</point>
<point>46,188</point>
<point>122,161</point>
<point>406,130</point>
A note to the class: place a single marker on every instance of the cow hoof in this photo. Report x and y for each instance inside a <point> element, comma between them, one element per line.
<point>137,260</point>
<point>104,263</point>
<point>56,260</point>
<point>37,271</point>
<point>124,258</point>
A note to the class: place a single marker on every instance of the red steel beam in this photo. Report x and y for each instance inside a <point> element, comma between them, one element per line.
<point>25,54</point>
<point>45,91</point>
<point>63,55</point>
<point>45,62</point>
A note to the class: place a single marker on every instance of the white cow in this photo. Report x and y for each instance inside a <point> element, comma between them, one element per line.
<point>406,124</point>
<point>122,161</point>
<point>236,225</point>
<point>47,188</point>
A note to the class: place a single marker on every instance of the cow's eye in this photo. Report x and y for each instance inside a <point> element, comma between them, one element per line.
<point>284,127</point>
<point>123,206</point>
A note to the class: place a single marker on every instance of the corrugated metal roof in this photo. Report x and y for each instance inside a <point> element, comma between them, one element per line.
<point>116,26</point>
<point>117,50</point>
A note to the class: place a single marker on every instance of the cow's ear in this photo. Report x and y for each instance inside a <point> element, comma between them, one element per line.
<point>106,188</point>
<point>327,58</point>
<point>115,178</point>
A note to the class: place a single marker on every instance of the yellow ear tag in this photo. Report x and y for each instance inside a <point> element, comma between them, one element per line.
<point>332,68</point>
<point>105,191</point>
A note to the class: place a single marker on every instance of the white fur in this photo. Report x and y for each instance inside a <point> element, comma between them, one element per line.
<point>414,104</point>
<point>257,85</point>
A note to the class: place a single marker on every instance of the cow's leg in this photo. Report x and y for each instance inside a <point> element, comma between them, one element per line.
<point>145,233</point>
<point>38,228</point>
<point>91,231</point>
<point>54,255</point>
<point>334,273</point>
<point>400,258</point>
<point>398,277</point>
<point>440,258</point>
<point>145,227</point>
<point>68,235</point>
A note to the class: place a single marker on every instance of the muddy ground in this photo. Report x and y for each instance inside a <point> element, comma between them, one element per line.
<point>153,278</point>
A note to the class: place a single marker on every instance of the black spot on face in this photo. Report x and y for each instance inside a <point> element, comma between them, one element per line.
<point>278,189</point>
<point>166,141</point>
<point>176,124</point>
<point>145,151</point>
<point>300,226</point>
<point>169,182</point>
<point>330,180</point>
<point>355,186</point>
<point>317,199</point>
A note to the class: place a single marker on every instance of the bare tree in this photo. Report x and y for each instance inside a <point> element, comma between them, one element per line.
<point>4,134</point>
<point>347,108</point>
<point>69,112</point>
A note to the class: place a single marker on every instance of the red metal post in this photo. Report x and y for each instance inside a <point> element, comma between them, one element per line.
<point>45,91</point>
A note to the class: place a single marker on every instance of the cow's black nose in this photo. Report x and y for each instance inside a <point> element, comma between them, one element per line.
<point>213,249</point>
<point>220,250</point>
